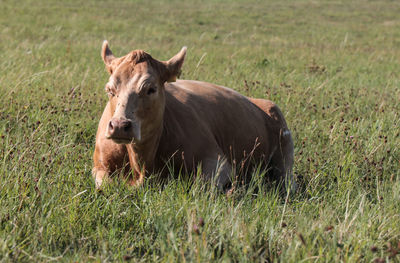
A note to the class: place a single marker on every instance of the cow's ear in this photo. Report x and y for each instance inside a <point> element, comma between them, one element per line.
<point>107,56</point>
<point>174,66</point>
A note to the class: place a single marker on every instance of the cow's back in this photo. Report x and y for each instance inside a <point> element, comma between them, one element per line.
<point>201,116</point>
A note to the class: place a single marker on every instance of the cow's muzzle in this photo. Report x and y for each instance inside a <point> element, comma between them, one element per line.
<point>123,131</point>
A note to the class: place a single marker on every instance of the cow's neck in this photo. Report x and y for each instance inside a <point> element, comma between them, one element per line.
<point>142,154</point>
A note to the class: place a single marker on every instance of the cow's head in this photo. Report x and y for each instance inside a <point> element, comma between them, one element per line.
<point>136,92</point>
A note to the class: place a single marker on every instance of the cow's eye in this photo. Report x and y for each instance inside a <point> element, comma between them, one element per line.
<point>151,91</point>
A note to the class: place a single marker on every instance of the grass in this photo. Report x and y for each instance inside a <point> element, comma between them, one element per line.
<point>332,67</point>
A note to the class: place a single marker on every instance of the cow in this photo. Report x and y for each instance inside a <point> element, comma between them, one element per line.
<point>153,119</point>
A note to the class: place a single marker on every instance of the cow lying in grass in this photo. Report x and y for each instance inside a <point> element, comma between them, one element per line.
<point>152,118</point>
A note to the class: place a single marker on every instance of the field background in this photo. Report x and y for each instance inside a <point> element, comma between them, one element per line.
<point>332,66</point>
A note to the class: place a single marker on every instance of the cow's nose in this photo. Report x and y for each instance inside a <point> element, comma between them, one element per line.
<point>111,126</point>
<point>120,129</point>
<point>126,125</point>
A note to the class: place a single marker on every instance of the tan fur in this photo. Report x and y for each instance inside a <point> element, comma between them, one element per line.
<point>187,123</point>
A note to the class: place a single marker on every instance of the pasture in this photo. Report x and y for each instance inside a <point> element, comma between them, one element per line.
<point>333,67</point>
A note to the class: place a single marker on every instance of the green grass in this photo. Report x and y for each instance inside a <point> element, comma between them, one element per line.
<point>332,66</point>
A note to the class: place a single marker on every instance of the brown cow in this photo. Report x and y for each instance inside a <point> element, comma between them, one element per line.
<point>153,119</point>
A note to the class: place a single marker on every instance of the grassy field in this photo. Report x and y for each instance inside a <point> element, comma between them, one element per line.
<point>332,66</point>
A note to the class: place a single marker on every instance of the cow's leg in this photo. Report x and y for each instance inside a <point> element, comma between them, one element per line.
<point>99,175</point>
<point>216,167</point>
<point>108,156</point>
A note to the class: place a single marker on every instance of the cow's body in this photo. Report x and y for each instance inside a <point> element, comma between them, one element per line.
<point>203,125</point>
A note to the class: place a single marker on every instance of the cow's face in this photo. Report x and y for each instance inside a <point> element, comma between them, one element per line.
<point>136,92</point>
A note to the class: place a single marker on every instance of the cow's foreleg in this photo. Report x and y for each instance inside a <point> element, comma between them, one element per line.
<point>108,158</point>
<point>99,176</point>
